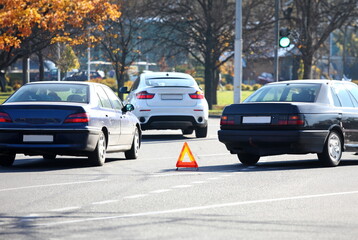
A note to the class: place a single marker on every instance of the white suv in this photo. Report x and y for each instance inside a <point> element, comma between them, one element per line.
<point>169,100</point>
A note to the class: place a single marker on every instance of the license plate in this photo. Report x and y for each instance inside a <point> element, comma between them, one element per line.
<point>256,119</point>
<point>38,138</point>
<point>172,97</point>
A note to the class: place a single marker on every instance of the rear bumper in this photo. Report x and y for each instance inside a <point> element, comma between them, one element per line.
<point>264,143</point>
<point>174,122</point>
<point>75,142</point>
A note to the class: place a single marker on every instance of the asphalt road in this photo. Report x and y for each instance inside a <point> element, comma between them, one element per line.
<point>283,197</point>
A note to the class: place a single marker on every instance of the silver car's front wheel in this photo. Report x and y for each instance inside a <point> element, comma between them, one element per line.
<point>332,152</point>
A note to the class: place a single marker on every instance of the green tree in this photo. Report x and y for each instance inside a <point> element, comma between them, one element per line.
<point>68,60</point>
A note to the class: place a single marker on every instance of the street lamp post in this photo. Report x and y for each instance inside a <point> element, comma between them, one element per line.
<point>238,53</point>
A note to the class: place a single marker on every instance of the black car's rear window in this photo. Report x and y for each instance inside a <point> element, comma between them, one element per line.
<point>170,82</point>
<point>295,92</point>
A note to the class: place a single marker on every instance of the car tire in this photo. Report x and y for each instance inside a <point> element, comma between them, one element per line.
<point>201,132</point>
<point>248,159</point>
<point>7,160</point>
<point>187,131</point>
<point>332,151</point>
<point>98,156</point>
<point>49,156</point>
<point>133,152</point>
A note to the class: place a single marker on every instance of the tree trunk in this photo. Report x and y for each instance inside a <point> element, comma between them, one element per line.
<point>209,79</point>
<point>24,70</point>
<point>307,63</point>
<point>41,66</point>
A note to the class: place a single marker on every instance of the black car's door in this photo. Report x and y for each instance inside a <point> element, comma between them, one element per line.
<point>348,106</point>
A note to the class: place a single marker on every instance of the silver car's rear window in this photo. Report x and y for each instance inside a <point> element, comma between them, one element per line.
<point>170,82</point>
<point>295,92</point>
<point>51,93</point>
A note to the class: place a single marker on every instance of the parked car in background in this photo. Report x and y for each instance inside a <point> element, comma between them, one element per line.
<point>294,117</point>
<point>67,118</point>
<point>82,76</point>
<point>169,100</point>
<point>265,78</point>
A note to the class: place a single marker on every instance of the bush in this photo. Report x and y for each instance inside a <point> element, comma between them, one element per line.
<point>256,86</point>
<point>110,82</point>
<point>229,87</point>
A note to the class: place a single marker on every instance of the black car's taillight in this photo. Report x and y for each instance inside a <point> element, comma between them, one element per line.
<point>290,120</point>
<point>227,120</point>
<point>145,95</point>
<point>4,117</point>
<point>77,118</point>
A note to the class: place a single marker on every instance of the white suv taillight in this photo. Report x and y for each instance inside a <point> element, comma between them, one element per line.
<point>197,95</point>
<point>145,95</point>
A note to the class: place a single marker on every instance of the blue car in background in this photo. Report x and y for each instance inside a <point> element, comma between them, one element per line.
<point>67,118</point>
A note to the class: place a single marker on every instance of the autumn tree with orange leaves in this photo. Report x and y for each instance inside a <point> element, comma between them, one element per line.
<point>28,26</point>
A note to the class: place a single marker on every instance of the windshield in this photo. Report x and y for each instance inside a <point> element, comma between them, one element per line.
<point>51,93</point>
<point>170,82</point>
<point>295,92</point>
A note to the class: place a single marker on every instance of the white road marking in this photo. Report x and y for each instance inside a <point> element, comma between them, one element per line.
<point>198,182</point>
<point>65,209</point>
<point>137,196</point>
<point>104,202</point>
<point>182,186</point>
<point>161,191</point>
<point>213,178</point>
<point>51,185</point>
<point>30,217</point>
<point>189,209</point>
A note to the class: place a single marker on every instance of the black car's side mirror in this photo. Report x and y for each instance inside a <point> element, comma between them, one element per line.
<point>128,108</point>
<point>123,90</point>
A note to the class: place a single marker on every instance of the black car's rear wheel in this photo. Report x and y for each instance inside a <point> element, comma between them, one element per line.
<point>7,160</point>
<point>248,159</point>
<point>332,151</point>
<point>98,156</point>
<point>133,152</point>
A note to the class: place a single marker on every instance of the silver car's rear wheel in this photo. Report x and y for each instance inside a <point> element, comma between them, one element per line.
<point>133,152</point>
<point>332,152</point>
<point>98,156</point>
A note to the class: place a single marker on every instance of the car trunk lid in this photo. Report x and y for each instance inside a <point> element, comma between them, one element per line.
<point>172,97</point>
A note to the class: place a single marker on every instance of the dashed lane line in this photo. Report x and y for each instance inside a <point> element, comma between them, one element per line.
<point>51,185</point>
<point>190,209</point>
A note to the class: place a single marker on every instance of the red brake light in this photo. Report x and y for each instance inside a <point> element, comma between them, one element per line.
<point>227,120</point>
<point>197,95</point>
<point>291,120</point>
<point>77,118</point>
<point>145,95</point>
<point>4,117</point>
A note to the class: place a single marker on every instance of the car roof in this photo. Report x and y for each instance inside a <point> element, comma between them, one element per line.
<point>320,81</point>
<point>166,74</point>
<point>64,82</point>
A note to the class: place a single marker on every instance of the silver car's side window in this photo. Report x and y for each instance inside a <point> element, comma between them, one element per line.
<point>104,100</point>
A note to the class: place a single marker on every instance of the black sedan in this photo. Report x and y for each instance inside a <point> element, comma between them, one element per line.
<point>294,117</point>
<point>67,118</point>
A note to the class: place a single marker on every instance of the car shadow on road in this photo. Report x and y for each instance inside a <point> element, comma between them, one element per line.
<point>165,137</point>
<point>42,165</point>
<point>265,166</point>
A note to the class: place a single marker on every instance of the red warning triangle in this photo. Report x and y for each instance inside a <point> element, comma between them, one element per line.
<point>192,163</point>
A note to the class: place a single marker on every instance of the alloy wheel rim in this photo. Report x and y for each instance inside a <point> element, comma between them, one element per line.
<point>102,147</point>
<point>334,147</point>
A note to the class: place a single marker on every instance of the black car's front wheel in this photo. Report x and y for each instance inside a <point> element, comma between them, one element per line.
<point>332,151</point>
<point>248,159</point>
<point>7,160</point>
<point>98,156</point>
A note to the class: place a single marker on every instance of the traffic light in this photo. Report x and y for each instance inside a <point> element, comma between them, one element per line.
<point>284,40</point>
